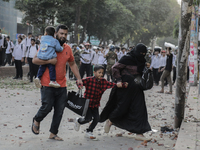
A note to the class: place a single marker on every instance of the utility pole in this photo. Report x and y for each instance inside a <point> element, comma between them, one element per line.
<point>184,47</point>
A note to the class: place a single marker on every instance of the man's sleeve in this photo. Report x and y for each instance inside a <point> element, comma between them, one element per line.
<point>71,58</point>
<point>24,50</point>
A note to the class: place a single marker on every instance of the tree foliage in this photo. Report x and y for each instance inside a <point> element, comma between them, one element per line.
<point>117,20</point>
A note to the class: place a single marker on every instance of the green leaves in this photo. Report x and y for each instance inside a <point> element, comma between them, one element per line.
<point>117,20</point>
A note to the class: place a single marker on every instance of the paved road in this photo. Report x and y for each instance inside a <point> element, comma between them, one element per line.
<point>18,106</point>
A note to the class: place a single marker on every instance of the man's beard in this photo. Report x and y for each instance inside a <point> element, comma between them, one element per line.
<point>61,41</point>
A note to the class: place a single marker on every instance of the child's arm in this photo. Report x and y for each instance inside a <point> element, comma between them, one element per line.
<point>58,47</point>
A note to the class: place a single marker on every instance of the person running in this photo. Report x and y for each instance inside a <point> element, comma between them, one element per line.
<point>167,72</point>
<point>32,50</point>
<point>49,47</point>
<point>95,87</point>
<point>18,57</point>
<point>126,108</point>
<point>55,97</point>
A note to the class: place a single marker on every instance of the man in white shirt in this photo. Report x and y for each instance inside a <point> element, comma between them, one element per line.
<point>94,60</point>
<point>101,59</point>
<point>18,57</point>
<point>155,64</point>
<point>33,68</point>
<point>86,56</point>
<point>163,59</point>
<point>27,43</point>
<point>123,52</point>
<point>8,51</point>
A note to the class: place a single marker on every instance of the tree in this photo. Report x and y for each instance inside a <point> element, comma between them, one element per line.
<point>39,13</point>
<point>184,47</point>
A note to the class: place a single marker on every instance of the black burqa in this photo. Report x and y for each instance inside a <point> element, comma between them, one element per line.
<point>126,107</point>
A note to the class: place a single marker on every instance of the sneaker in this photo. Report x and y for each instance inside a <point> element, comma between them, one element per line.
<point>89,135</point>
<point>142,138</point>
<point>107,126</point>
<point>54,84</point>
<point>77,125</point>
<point>37,83</point>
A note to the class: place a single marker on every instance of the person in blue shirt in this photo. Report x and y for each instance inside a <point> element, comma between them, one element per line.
<point>48,48</point>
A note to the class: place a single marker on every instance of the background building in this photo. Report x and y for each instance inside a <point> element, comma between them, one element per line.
<point>10,20</point>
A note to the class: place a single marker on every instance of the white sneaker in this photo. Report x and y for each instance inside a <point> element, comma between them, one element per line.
<point>107,126</point>
<point>37,82</point>
<point>76,125</point>
<point>89,135</point>
<point>54,84</point>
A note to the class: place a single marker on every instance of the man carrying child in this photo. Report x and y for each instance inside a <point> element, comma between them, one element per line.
<point>55,97</point>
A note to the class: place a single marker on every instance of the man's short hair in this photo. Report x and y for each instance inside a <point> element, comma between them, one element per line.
<point>50,30</point>
<point>61,26</point>
<point>37,42</point>
<point>169,48</point>
<point>33,39</point>
<point>20,37</point>
<point>29,33</point>
<point>98,67</point>
<point>8,37</point>
<point>123,48</point>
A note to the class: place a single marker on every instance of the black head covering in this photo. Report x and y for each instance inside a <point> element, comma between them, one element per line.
<point>135,57</point>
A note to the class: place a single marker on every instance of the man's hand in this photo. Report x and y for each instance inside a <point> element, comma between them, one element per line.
<point>53,61</point>
<point>22,60</point>
<point>162,69</point>
<point>26,61</point>
<point>119,84</point>
<point>86,60</point>
<point>13,59</point>
<point>80,83</point>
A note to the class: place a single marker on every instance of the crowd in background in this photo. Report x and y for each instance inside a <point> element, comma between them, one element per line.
<point>86,57</point>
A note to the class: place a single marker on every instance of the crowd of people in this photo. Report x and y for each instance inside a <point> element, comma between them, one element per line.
<point>126,106</point>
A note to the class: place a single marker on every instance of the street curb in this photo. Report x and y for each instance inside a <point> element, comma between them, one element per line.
<point>10,71</point>
<point>187,137</point>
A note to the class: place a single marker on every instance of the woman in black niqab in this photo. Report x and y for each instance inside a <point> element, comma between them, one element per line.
<point>126,107</point>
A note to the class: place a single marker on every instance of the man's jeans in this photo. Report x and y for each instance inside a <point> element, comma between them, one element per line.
<point>52,98</point>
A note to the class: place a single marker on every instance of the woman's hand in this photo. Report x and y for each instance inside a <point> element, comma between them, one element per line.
<point>126,84</point>
<point>119,84</point>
